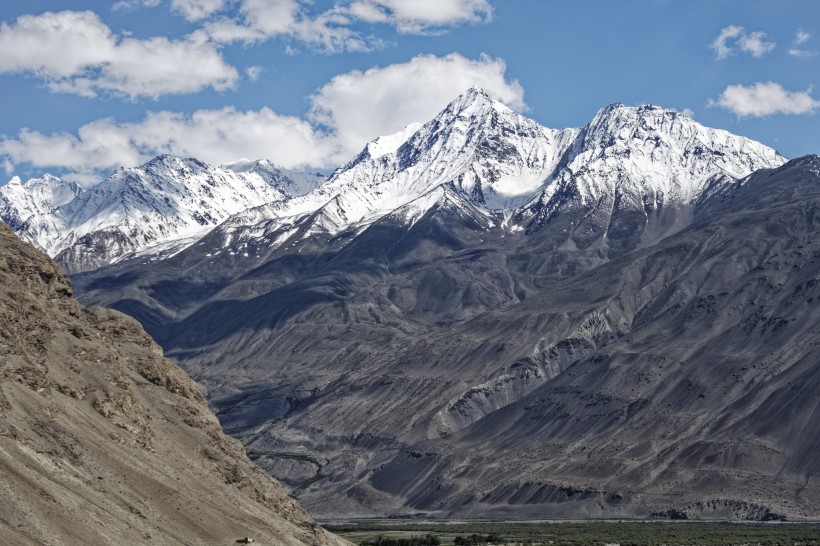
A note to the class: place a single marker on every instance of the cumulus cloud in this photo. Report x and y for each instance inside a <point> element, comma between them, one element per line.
<point>345,114</point>
<point>130,5</point>
<point>735,38</point>
<point>756,44</point>
<point>331,30</point>
<point>215,136</point>
<point>802,53</point>
<point>800,38</point>
<point>416,16</point>
<point>253,72</point>
<point>260,20</point>
<point>75,52</point>
<point>765,99</point>
<point>721,43</point>
<point>196,10</point>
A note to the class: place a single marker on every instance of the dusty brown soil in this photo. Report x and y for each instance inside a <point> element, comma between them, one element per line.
<point>104,441</point>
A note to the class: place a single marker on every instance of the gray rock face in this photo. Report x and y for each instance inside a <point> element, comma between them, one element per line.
<point>452,366</point>
<point>104,441</point>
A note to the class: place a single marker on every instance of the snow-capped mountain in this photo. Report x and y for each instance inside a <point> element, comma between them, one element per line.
<point>153,208</point>
<point>290,183</point>
<point>36,198</point>
<point>640,159</point>
<point>494,156</point>
<point>500,160</point>
<point>646,158</point>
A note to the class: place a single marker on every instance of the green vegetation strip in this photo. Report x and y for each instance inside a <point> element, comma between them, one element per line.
<point>582,534</point>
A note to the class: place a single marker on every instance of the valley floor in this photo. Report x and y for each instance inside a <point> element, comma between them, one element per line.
<point>599,533</point>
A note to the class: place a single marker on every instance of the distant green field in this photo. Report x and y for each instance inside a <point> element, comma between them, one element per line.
<point>590,534</point>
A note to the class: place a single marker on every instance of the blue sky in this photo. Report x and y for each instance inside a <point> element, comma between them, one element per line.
<point>89,86</point>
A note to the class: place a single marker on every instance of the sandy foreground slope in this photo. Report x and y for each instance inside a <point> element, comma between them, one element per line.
<point>104,441</point>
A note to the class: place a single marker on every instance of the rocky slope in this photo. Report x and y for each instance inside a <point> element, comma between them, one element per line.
<point>103,441</point>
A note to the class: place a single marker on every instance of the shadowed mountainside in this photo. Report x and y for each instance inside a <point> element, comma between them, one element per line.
<point>451,366</point>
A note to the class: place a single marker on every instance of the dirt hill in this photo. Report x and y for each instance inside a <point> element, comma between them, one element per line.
<point>104,441</point>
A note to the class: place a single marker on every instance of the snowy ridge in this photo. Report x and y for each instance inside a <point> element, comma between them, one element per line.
<point>496,159</point>
<point>647,156</point>
<point>489,157</point>
<point>39,194</point>
<point>26,207</point>
<point>662,150</point>
<point>441,196</point>
<point>167,202</point>
<point>290,183</point>
<point>389,144</point>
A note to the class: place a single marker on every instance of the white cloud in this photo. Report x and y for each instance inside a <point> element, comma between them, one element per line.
<point>346,113</point>
<point>800,38</point>
<point>130,5</point>
<point>734,38</point>
<point>802,53</point>
<point>75,52</point>
<point>765,99</point>
<point>261,20</point>
<point>215,136</point>
<point>253,72</point>
<point>331,31</point>
<point>415,16</point>
<point>360,106</point>
<point>720,45</point>
<point>270,17</point>
<point>196,10</point>
<point>755,44</point>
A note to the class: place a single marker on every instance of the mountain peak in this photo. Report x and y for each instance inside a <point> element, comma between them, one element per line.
<point>159,205</point>
<point>649,150</point>
<point>47,179</point>
<point>809,163</point>
<point>244,165</point>
<point>473,100</point>
<point>622,114</point>
<point>36,195</point>
<point>496,158</point>
<point>477,92</point>
<point>169,161</point>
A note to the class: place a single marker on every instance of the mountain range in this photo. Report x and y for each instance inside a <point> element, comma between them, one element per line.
<point>483,317</point>
<point>153,209</point>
